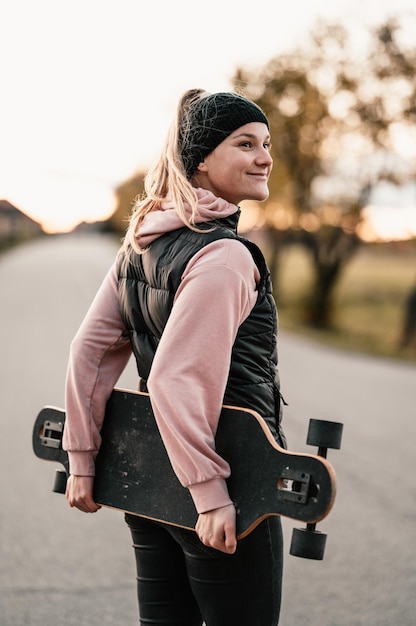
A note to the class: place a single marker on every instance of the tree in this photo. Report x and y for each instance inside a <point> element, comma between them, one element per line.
<point>334,117</point>
<point>126,194</point>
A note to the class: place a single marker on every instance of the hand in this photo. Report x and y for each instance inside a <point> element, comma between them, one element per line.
<point>79,493</point>
<point>216,529</point>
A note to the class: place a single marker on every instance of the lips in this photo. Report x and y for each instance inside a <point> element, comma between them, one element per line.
<point>259,175</point>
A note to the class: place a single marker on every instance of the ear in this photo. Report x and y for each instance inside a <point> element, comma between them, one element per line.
<point>202,167</point>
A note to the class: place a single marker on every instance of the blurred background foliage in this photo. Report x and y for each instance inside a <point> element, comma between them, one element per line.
<point>337,111</point>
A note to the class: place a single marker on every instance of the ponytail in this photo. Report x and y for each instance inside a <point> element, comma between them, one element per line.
<point>167,176</point>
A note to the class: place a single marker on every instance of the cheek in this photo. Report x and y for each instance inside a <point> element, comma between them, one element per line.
<point>223,176</point>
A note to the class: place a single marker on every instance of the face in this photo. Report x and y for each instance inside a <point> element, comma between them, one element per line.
<point>239,167</point>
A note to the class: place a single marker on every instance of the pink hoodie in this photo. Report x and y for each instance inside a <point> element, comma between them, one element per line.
<point>190,369</point>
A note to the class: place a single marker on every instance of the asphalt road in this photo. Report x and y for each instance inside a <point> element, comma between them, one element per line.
<point>59,567</point>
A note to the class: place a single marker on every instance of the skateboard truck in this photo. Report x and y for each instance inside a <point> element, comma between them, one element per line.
<point>308,542</point>
<point>293,486</point>
<point>52,434</point>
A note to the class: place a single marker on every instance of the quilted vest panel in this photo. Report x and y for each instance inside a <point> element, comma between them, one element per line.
<point>147,287</point>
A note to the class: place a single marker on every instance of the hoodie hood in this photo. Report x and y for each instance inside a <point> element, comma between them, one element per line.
<point>165,219</point>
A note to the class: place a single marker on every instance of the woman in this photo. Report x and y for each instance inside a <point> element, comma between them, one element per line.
<point>193,301</point>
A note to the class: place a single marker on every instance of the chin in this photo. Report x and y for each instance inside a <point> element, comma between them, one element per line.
<point>260,197</point>
<point>260,194</point>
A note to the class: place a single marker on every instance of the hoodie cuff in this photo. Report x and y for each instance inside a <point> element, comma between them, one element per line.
<point>209,495</point>
<point>82,463</point>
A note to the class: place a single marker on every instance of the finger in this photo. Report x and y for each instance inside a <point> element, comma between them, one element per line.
<point>216,541</point>
<point>230,535</point>
<point>85,507</point>
<point>230,542</point>
<point>224,541</point>
<point>87,504</point>
<point>84,503</point>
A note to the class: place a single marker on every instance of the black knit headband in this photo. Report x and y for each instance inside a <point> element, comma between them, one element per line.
<point>209,121</point>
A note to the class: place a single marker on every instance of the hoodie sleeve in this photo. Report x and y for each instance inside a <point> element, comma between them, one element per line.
<point>190,370</point>
<point>98,355</point>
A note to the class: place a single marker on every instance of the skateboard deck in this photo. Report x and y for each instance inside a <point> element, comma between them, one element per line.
<point>134,474</point>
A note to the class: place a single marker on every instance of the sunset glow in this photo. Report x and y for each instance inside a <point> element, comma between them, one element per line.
<point>85,105</point>
<point>388,223</point>
<point>61,202</point>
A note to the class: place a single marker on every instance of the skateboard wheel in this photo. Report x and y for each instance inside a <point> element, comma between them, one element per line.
<point>308,544</point>
<point>59,485</point>
<point>324,434</point>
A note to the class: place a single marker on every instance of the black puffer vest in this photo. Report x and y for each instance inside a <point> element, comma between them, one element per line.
<point>147,287</point>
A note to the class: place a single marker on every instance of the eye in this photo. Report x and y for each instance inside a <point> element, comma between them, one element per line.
<point>267,145</point>
<point>246,144</point>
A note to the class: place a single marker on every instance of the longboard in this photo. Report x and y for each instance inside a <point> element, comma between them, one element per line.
<point>134,474</point>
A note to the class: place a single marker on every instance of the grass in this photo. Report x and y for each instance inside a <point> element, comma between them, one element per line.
<point>369,301</point>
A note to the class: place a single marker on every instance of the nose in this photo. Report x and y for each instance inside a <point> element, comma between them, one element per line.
<point>264,157</point>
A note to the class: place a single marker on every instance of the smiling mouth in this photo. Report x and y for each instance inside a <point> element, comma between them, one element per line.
<point>261,175</point>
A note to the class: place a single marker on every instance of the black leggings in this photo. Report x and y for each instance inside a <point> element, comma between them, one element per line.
<point>182,582</point>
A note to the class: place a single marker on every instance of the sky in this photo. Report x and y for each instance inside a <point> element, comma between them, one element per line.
<point>88,87</point>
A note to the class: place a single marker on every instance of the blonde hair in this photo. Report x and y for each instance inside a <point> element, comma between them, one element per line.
<point>167,176</point>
